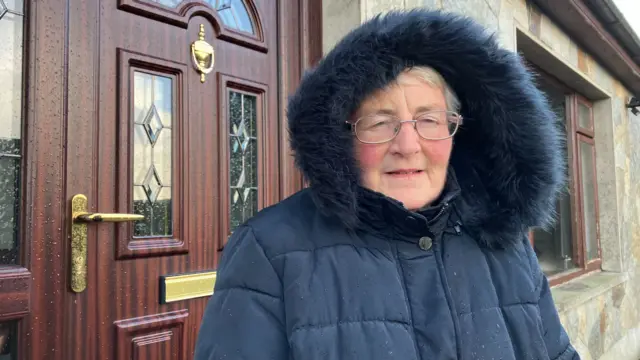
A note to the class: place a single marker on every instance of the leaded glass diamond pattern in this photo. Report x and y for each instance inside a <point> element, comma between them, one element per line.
<point>152,159</point>
<point>3,9</point>
<point>11,7</point>
<point>243,159</point>
<point>153,124</point>
<point>152,184</point>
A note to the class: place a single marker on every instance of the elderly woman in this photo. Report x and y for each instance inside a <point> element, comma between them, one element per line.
<point>429,154</point>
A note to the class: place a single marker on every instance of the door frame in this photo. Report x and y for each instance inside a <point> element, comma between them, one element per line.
<point>34,292</point>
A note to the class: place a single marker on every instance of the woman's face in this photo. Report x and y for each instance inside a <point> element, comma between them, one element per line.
<point>408,168</point>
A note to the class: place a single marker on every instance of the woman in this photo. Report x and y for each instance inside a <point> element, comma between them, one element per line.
<point>429,154</point>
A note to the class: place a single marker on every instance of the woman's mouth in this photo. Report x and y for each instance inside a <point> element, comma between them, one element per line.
<point>404,173</point>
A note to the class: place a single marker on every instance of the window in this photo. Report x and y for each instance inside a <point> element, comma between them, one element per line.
<point>233,13</point>
<point>8,340</point>
<point>243,157</point>
<point>153,160</point>
<point>572,247</point>
<point>11,56</point>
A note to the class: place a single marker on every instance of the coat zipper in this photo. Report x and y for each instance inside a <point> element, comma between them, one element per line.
<point>444,207</point>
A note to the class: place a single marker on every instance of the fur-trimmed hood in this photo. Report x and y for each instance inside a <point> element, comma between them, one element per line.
<point>507,155</point>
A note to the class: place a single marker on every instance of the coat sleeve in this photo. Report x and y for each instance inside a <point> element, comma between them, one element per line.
<point>244,318</point>
<point>555,337</point>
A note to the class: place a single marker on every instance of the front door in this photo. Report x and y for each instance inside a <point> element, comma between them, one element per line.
<point>152,129</point>
<point>182,138</point>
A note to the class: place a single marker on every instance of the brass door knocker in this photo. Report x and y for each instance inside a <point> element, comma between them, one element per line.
<point>202,54</point>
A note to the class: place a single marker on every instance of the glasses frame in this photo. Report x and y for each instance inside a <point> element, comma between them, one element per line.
<point>454,114</point>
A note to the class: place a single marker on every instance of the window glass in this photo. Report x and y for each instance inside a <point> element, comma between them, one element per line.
<point>233,13</point>
<point>243,161</point>
<point>11,55</point>
<point>587,161</point>
<point>584,116</point>
<point>554,246</point>
<point>152,159</point>
<point>8,341</point>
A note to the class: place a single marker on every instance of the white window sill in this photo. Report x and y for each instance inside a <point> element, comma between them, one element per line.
<point>584,288</point>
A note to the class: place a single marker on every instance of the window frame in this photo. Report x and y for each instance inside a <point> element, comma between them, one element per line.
<point>575,135</point>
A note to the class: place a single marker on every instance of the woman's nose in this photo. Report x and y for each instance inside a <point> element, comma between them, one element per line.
<point>407,141</point>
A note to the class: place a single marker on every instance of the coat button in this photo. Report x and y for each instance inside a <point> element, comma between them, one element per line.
<point>425,243</point>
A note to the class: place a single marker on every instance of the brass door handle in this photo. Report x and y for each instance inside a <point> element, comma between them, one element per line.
<point>80,217</point>
<point>86,217</point>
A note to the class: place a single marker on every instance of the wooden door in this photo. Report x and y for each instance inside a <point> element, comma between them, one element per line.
<point>191,151</point>
<point>183,148</point>
<point>117,120</point>
<point>15,277</point>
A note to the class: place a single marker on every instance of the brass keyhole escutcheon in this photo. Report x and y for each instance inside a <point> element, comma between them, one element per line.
<point>202,54</point>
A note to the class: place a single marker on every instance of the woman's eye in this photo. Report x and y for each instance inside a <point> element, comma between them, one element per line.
<point>380,123</point>
<point>376,123</point>
<point>429,119</point>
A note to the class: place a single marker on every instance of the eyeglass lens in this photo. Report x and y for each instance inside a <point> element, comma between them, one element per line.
<point>383,127</point>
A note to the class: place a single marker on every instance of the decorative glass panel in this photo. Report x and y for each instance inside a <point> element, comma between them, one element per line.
<point>152,154</point>
<point>584,116</point>
<point>8,341</point>
<point>243,158</point>
<point>11,50</point>
<point>587,164</point>
<point>234,13</point>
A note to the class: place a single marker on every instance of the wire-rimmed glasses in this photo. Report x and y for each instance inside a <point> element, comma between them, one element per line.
<point>432,125</point>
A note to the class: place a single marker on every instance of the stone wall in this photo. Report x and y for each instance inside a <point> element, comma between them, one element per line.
<point>601,311</point>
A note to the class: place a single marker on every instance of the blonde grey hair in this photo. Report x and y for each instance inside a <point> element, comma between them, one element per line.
<point>433,78</point>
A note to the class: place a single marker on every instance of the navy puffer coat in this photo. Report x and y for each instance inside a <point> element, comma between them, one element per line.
<point>337,271</point>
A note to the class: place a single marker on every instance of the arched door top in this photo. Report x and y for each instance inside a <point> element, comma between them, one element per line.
<point>234,20</point>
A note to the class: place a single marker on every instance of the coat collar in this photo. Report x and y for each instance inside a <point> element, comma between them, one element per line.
<point>382,214</point>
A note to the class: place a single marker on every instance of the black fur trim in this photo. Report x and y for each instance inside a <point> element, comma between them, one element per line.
<point>507,156</point>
